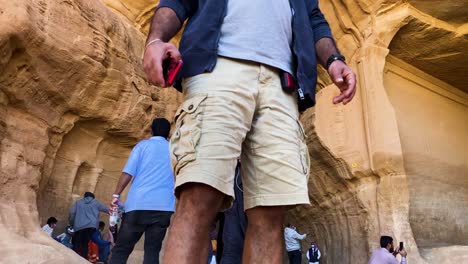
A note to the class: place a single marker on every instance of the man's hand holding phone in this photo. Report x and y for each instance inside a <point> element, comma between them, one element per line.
<point>156,52</point>
<point>171,68</point>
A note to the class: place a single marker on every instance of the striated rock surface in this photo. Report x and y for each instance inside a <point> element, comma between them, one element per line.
<point>74,100</point>
<point>394,161</point>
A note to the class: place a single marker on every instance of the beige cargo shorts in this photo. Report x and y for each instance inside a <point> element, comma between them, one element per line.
<point>240,110</point>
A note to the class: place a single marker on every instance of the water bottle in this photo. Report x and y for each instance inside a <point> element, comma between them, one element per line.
<point>116,212</point>
<point>114,217</point>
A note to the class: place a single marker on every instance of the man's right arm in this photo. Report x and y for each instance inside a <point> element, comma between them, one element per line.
<point>164,25</point>
<point>166,22</point>
<point>129,171</point>
<point>124,180</point>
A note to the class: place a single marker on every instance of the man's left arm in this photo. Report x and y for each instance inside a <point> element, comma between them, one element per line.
<point>296,235</point>
<point>102,208</point>
<point>403,254</point>
<point>341,74</point>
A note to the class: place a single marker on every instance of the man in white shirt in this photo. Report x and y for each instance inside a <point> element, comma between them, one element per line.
<point>49,227</point>
<point>313,254</point>
<point>387,254</point>
<point>293,244</point>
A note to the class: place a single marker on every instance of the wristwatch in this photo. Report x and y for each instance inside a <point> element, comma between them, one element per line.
<point>116,196</point>
<point>334,57</point>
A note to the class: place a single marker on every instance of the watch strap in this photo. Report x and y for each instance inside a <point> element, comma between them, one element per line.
<point>335,57</point>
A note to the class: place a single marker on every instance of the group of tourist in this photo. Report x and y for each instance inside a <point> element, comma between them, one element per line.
<point>85,234</point>
<point>386,254</point>
<point>149,206</point>
<point>293,246</point>
<point>249,69</point>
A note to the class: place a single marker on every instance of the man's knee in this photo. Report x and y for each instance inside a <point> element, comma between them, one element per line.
<point>266,216</point>
<point>200,198</point>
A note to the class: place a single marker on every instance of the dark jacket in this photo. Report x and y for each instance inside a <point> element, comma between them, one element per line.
<point>199,43</point>
<point>85,213</point>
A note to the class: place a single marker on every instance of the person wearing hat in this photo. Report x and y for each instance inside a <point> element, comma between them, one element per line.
<point>84,218</point>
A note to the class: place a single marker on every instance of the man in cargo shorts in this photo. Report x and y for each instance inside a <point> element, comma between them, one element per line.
<point>234,54</point>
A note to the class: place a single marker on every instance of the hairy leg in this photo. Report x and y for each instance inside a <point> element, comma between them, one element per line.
<point>264,238</point>
<point>188,236</point>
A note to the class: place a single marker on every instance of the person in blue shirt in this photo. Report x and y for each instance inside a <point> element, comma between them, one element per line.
<point>66,237</point>
<point>103,245</point>
<point>150,201</point>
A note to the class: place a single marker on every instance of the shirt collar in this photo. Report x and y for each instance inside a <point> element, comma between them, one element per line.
<point>385,250</point>
<point>158,138</point>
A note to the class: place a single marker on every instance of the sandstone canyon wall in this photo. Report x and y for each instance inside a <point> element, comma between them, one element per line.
<point>74,100</point>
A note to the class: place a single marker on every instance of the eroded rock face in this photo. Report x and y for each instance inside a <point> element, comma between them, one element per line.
<point>74,100</point>
<point>381,165</point>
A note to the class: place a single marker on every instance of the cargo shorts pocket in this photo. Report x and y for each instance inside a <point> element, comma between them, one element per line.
<point>184,140</point>
<point>303,150</point>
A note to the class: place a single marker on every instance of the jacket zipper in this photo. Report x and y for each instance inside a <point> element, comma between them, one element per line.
<point>300,92</point>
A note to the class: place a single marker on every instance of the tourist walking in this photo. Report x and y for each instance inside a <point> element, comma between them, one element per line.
<point>293,244</point>
<point>150,201</point>
<point>241,62</point>
<point>84,218</point>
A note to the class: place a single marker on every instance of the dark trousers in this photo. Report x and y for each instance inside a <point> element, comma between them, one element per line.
<point>134,223</point>
<point>103,245</point>
<point>81,240</point>
<point>104,252</point>
<point>235,225</point>
<point>295,257</point>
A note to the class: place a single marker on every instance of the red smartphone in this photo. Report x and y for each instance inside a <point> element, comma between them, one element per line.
<point>170,70</point>
<point>288,82</point>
